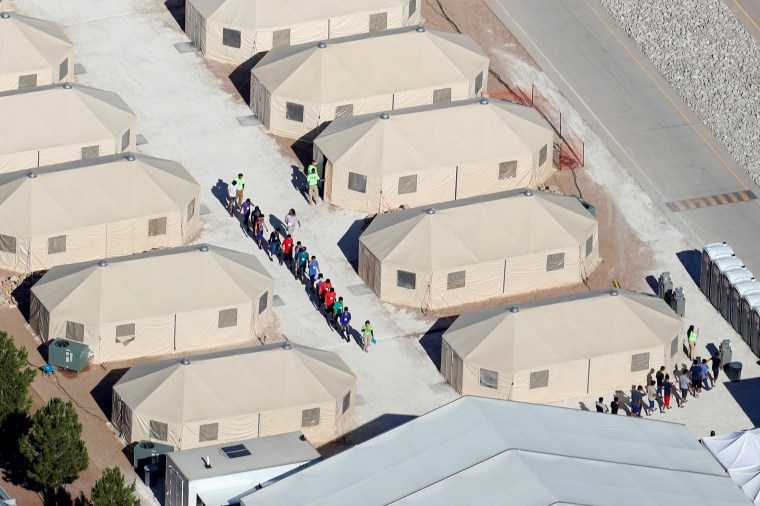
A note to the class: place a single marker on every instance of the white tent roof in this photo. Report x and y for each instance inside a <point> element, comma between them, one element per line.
<point>433,136</point>
<point>563,329</point>
<point>267,14</point>
<point>488,451</point>
<point>29,43</point>
<point>50,116</point>
<point>116,189</point>
<point>366,65</point>
<point>478,229</point>
<point>739,454</point>
<point>177,280</point>
<point>235,382</point>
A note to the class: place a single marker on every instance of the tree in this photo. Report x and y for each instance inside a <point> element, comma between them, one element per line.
<point>15,378</point>
<point>54,450</point>
<point>110,490</point>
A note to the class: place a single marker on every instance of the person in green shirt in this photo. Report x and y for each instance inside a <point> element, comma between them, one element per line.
<point>240,185</point>
<point>691,336</point>
<point>337,310</point>
<point>312,179</point>
<point>367,336</point>
<point>302,259</point>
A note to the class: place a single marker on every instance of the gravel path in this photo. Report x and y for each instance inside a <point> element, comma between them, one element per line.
<point>709,58</point>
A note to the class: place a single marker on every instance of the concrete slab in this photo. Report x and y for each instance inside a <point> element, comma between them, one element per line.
<point>186,47</point>
<point>277,301</point>
<point>360,289</point>
<point>79,69</point>
<point>140,140</point>
<point>250,120</point>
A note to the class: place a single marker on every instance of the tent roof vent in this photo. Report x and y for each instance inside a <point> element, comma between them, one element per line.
<point>385,115</point>
<point>5,15</point>
<point>66,86</point>
<point>321,45</point>
<point>528,193</point>
<point>102,263</point>
<point>484,100</point>
<point>287,346</point>
<point>514,309</point>
<point>185,361</point>
<point>420,28</point>
<point>31,175</point>
<point>614,292</point>
<point>131,157</point>
<point>430,210</point>
<point>203,248</point>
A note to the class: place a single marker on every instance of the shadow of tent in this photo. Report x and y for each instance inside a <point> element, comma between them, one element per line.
<point>349,243</point>
<point>241,76</point>
<point>746,393</point>
<point>177,9</point>
<point>103,391</point>
<point>654,285</point>
<point>431,342</point>
<point>363,433</point>
<point>692,262</point>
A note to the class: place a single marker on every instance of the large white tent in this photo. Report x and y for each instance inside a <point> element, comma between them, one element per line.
<point>235,395</point>
<point>433,153</point>
<point>233,31</point>
<point>90,209</point>
<point>487,451</point>
<point>478,248</point>
<point>61,123</point>
<point>561,348</point>
<point>33,52</point>
<point>294,90</point>
<point>166,301</point>
<point>739,454</point>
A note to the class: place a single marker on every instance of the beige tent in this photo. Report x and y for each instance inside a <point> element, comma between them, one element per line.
<point>296,89</point>
<point>90,209</point>
<point>234,395</point>
<point>233,31</point>
<point>562,348</point>
<point>187,298</point>
<point>433,153</point>
<point>33,52</point>
<point>474,249</point>
<point>61,123</point>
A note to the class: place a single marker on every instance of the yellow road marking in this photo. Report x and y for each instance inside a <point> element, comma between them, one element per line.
<point>751,20</point>
<point>722,198</point>
<point>680,205</point>
<point>691,204</point>
<point>733,197</point>
<point>711,200</point>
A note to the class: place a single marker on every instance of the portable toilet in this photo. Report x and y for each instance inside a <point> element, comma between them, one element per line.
<point>754,331</point>
<point>728,278</point>
<point>750,301</point>
<point>718,267</point>
<point>710,253</point>
<point>738,291</point>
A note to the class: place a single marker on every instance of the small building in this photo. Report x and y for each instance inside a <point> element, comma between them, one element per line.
<point>233,31</point>
<point>236,394</point>
<point>296,89</point>
<point>433,153</point>
<point>592,343</point>
<point>97,208</point>
<point>489,451</point>
<point>221,474</point>
<point>157,303</point>
<point>61,123</point>
<point>739,454</point>
<point>474,249</point>
<point>37,52</point>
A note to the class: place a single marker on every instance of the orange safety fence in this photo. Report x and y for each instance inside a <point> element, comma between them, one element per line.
<point>571,151</point>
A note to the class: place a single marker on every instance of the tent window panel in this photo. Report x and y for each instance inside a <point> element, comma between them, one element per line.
<point>478,82</point>
<point>90,152</point>
<point>8,243</point>
<point>208,432</point>
<point>310,417</point>
<point>227,318</point>
<point>56,244</point>
<point>406,279</point>
<point>489,379</point>
<point>125,140</point>
<point>640,362</point>
<point>542,155</point>
<point>294,112</point>
<point>590,244</point>
<point>674,347</point>
<point>346,401</point>
<point>263,302</point>
<point>412,7</point>
<point>344,111</point>
<point>539,379</point>
<point>442,95</point>
<point>555,262</point>
<point>281,38</point>
<point>27,81</point>
<point>75,331</point>
<point>159,430</point>
<point>357,182</point>
<point>125,333</point>
<point>231,38</point>
<point>508,170</point>
<point>378,21</point>
<point>191,209</point>
<point>456,280</point>
<point>63,69</point>
<point>157,226</point>
<point>407,184</point>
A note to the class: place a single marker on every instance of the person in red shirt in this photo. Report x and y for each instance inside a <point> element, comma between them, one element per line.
<point>330,297</point>
<point>324,287</point>
<point>287,251</point>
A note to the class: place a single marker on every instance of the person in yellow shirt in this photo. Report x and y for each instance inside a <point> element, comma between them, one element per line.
<point>691,337</point>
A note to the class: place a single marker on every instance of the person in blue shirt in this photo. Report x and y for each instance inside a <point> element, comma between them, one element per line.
<point>636,397</point>
<point>345,327</point>
<point>313,271</point>
<point>696,377</point>
<point>706,375</point>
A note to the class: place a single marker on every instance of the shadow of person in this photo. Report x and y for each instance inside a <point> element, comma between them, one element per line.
<point>298,180</point>
<point>625,401</point>
<point>219,190</point>
<point>583,406</point>
<point>277,224</point>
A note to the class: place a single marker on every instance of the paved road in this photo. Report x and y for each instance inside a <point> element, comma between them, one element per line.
<point>748,12</point>
<point>670,153</point>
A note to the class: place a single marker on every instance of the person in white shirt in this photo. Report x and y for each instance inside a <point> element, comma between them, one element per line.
<point>290,222</point>
<point>231,194</point>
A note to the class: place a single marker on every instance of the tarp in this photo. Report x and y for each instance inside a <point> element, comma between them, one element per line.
<point>33,52</point>
<point>486,451</point>
<point>739,454</point>
<point>478,248</point>
<point>100,207</point>
<point>55,125</point>
<point>296,89</point>
<point>263,391</point>
<point>259,25</point>
<point>155,303</point>
<point>450,150</point>
<point>561,348</point>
